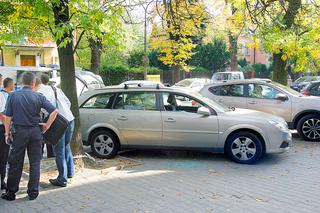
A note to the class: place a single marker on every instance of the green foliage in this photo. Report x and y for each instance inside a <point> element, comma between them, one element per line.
<point>212,56</point>
<point>136,58</point>
<point>243,62</point>
<point>201,70</point>
<point>261,71</point>
<point>120,72</point>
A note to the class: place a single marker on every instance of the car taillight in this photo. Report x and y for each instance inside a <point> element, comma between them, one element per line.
<point>306,92</point>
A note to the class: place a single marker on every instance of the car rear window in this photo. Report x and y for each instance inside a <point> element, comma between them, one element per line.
<point>101,101</point>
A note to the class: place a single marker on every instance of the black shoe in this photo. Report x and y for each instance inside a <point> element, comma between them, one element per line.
<point>55,182</point>
<point>33,194</point>
<point>8,196</point>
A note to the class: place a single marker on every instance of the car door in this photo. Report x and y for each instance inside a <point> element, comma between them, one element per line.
<point>183,127</point>
<point>262,97</point>
<point>232,95</point>
<point>138,118</point>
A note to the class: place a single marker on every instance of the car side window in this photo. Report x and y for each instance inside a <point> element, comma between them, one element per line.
<point>262,91</point>
<point>136,101</point>
<point>175,102</point>
<point>214,90</point>
<point>315,90</point>
<point>101,101</point>
<point>236,90</point>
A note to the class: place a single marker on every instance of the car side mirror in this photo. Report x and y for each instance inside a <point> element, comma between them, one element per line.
<point>203,111</point>
<point>282,97</point>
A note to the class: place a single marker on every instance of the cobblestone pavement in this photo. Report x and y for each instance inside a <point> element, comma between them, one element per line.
<point>191,182</point>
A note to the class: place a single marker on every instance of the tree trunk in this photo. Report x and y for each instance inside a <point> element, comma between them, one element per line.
<point>67,70</point>
<point>233,50</point>
<point>96,51</point>
<point>279,69</point>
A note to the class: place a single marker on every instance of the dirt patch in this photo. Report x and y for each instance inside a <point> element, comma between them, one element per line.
<point>85,166</point>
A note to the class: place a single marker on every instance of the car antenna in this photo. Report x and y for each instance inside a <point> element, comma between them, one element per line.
<point>126,86</point>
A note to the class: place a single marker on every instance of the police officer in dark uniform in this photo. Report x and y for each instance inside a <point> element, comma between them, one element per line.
<point>23,110</point>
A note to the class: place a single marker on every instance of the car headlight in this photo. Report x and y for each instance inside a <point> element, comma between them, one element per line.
<point>280,125</point>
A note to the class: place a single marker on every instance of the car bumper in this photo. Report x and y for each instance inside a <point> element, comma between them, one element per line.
<point>284,143</point>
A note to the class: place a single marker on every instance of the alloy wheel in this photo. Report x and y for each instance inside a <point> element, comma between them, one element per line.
<point>103,144</point>
<point>243,148</point>
<point>311,128</point>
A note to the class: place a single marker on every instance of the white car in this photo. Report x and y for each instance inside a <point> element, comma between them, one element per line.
<point>192,84</point>
<point>227,76</point>
<point>85,81</point>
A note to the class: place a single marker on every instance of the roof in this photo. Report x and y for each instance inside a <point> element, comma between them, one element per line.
<point>254,80</point>
<point>118,88</point>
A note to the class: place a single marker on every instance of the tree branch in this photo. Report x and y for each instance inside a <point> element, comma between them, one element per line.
<point>79,39</point>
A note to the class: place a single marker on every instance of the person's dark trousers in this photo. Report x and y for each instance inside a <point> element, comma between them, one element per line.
<point>4,152</point>
<point>30,139</point>
<point>50,151</point>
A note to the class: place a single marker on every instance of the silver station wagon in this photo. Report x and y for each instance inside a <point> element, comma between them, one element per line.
<point>166,118</point>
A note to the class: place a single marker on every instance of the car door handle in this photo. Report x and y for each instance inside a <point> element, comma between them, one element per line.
<point>170,120</point>
<point>252,102</point>
<point>123,118</point>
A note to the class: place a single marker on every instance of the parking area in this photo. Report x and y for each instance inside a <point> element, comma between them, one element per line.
<point>192,182</point>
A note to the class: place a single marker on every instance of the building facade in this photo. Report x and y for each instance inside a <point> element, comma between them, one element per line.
<point>29,53</point>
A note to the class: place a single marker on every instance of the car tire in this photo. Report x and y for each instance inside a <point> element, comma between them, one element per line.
<point>244,147</point>
<point>309,127</point>
<point>104,144</point>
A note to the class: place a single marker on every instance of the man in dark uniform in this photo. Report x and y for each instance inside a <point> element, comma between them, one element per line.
<point>23,110</point>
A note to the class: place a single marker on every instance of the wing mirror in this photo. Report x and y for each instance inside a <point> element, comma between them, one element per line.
<point>204,111</point>
<point>282,97</point>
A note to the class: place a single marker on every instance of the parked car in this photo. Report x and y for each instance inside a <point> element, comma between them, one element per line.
<point>300,112</point>
<point>85,81</point>
<point>192,84</point>
<point>312,88</point>
<point>227,76</point>
<point>141,83</point>
<point>150,118</point>
<point>16,73</point>
<point>303,81</point>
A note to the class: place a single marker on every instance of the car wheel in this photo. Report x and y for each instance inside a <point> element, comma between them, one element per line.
<point>104,144</point>
<point>309,127</point>
<point>244,147</point>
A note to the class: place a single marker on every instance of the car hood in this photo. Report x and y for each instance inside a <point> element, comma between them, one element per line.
<point>253,114</point>
<point>313,101</point>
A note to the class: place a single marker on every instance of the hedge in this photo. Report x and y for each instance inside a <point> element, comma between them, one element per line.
<point>118,73</point>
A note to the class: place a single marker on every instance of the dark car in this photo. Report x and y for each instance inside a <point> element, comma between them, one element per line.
<point>303,81</point>
<point>313,88</point>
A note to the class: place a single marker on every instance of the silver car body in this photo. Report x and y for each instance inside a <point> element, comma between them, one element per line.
<point>179,129</point>
<point>290,109</point>
<point>192,84</point>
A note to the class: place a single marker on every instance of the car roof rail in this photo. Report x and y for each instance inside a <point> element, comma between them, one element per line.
<point>126,86</point>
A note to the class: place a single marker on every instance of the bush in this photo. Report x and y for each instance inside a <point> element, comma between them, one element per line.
<point>261,71</point>
<point>136,58</point>
<point>118,73</point>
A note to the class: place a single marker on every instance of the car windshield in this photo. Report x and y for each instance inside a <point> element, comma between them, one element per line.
<point>288,89</point>
<point>184,83</point>
<point>307,78</point>
<point>221,76</point>
<point>218,105</point>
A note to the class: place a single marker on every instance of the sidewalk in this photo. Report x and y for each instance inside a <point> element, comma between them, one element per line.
<point>190,182</point>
